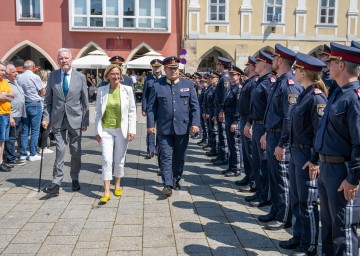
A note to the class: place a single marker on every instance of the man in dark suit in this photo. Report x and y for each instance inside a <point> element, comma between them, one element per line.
<point>66,109</point>
<point>174,108</point>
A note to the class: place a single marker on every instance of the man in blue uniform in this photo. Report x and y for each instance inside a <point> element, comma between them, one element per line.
<point>201,96</point>
<point>283,96</point>
<point>230,117</point>
<point>248,183</point>
<point>173,108</point>
<point>329,83</point>
<point>255,129</point>
<point>199,91</point>
<point>338,145</point>
<point>148,84</point>
<point>221,90</point>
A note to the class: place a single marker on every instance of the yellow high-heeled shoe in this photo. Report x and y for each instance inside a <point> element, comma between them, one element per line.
<point>118,192</point>
<point>105,198</point>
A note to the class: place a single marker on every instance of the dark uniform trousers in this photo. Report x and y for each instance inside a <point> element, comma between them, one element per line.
<point>234,143</point>
<point>172,167</point>
<point>260,164</point>
<point>246,150</point>
<point>221,138</point>
<point>279,179</point>
<point>150,143</point>
<point>303,197</point>
<point>339,217</point>
<point>204,129</point>
<point>212,129</point>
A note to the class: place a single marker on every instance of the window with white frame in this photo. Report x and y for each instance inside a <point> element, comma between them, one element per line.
<point>217,10</point>
<point>327,12</point>
<point>128,14</point>
<point>29,10</point>
<point>274,10</point>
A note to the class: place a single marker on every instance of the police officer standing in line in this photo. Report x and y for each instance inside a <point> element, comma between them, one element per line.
<point>338,144</point>
<point>201,96</point>
<point>148,84</point>
<point>247,183</point>
<point>329,83</point>
<point>125,79</point>
<point>255,129</point>
<point>221,90</point>
<point>304,122</point>
<point>210,113</point>
<point>173,108</point>
<point>282,98</point>
<point>198,88</point>
<point>233,135</point>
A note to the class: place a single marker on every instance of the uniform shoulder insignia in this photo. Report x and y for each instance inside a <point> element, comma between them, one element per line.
<point>292,99</point>
<point>291,82</point>
<point>226,75</point>
<point>226,84</point>
<point>185,89</point>
<point>238,96</point>
<point>320,109</point>
<point>257,78</point>
<point>358,92</point>
<point>317,91</point>
<point>272,79</point>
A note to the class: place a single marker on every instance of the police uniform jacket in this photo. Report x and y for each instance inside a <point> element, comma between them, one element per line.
<point>173,107</point>
<point>342,131</point>
<point>231,99</point>
<point>210,100</point>
<point>221,90</point>
<point>202,99</point>
<point>245,96</point>
<point>148,84</point>
<point>329,83</point>
<point>305,119</point>
<point>259,96</point>
<point>282,98</point>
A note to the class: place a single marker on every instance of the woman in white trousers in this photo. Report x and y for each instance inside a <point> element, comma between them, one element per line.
<point>115,126</point>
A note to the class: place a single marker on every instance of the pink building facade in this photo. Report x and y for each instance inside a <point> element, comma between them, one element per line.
<point>36,29</point>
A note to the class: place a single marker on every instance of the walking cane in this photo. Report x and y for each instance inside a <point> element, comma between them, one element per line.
<point>42,155</point>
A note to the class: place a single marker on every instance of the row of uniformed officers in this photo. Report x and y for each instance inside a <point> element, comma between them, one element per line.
<point>293,141</point>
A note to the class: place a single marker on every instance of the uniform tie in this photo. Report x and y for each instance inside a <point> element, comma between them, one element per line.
<point>323,124</point>
<point>65,84</point>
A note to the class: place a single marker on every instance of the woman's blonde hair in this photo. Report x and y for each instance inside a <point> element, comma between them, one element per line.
<point>111,67</point>
<point>43,75</point>
<point>315,77</point>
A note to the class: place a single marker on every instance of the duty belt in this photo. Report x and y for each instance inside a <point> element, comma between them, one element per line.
<point>229,114</point>
<point>301,146</point>
<point>332,159</point>
<point>273,130</point>
<point>258,122</point>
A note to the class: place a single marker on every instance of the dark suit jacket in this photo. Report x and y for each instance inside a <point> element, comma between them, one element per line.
<point>75,106</point>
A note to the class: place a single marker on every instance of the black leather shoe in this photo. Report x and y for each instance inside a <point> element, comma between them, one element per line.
<point>167,191</point>
<point>266,218</point>
<point>247,188</point>
<point>256,203</point>
<point>211,153</point>
<point>75,185</point>
<point>202,144</point>
<point>3,168</point>
<point>250,198</point>
<point>299,251</point>
<point>159,173</point>
<point>16,162</point>
<point>232,174</point>
<point>176,186</point>
<point>221,162</point>
<point>226,171</point>
<point>218,158</point>
<point>277,225</point>
<point>9,165</point>
<point>53,189</point>
<point>290,244</point>
<point>242,182</point>
<point>150,155</point>
<point>206,148</point>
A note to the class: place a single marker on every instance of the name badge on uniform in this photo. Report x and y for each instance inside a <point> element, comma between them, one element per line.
<point>320,109</point>
<point>185,89</point>
<point>226,84</point>
<point>292,98</point>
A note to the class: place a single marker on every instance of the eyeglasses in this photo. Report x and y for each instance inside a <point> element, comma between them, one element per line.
<point>114,74</point>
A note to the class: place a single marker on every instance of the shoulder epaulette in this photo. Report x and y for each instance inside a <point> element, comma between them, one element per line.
<point>317,91</point>
<point>272,79</point>
<point>358,92</point>
<point>290,81</point>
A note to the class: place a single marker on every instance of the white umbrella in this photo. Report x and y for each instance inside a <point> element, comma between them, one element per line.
<point>94,60</point>
<point>144,61</point>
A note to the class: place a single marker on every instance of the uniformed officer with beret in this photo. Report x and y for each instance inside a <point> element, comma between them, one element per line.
<point>156,65</point>
<point>255,129</point>
<point>305,118</point>
<point>338,144</point>
<point>282,98</point>
<point>210,112</point>
<point>173,108</point>
<point>221,90</point>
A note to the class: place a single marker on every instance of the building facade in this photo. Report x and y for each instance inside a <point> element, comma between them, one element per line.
<point>238,28</point>
<point>36,29</point>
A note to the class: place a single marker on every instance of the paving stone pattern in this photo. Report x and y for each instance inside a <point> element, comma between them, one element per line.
<point>208,216</point>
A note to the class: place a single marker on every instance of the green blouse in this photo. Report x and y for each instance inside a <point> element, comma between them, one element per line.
<point>112,115</point>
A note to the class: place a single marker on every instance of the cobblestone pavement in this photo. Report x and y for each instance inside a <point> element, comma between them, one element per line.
<point>207,217</point>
